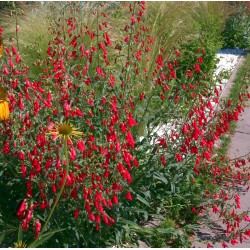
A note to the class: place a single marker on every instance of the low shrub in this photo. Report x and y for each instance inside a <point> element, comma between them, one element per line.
<point>236,31</point>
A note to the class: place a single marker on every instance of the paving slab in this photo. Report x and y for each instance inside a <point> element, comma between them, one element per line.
<point>239,147</point>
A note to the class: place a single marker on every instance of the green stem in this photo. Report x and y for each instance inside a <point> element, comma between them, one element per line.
<point>97,37</point>
<point>17,42</point>
<point>65,150</point>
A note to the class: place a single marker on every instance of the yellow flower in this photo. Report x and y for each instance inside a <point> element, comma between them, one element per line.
<point>64,130</point>
<point>4,111</point>
<point>4,107</point>
<point>19,244</point>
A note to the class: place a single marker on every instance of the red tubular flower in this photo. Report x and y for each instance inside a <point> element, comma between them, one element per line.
<point>163,160</point>
<point>172,74</point>
<point>185,128</point>
<point>126,40</point>
<point>72,154</point>
<point>207,155</point>
<point>18,59</point>
<point>247,232</point>
<point>236,115</point>
<point>25,225</point>
<point>111,81</point>
<point>224,245</point>
<point>78,112</point>
<point>237,200</point>
<point>29,215</point>
<point>23,170</point>
<point>105,218</point>
<point>178,53</point>
<point>178,157</point>
<point>189,73</point>
<point>91,216</point>
<point>130,140</point>
<point>108,41</point>
<point>246,218</point>
<point>200,60</point>
<point>234,241</point>
<point>99,71</point>
<point>136,163</point>
<point>131,121</point>
<point>129,196</point>
<point>22,209</point>
<point>76,213</point>
<point>123,127</point>
<point>80,146</point>
<point>197,68</point>
<point>37,228</point>
<point>5,70</point>
<point>87,207</point>
<point>115,199</point>
<point>117,147</point>
<point>216,209</point>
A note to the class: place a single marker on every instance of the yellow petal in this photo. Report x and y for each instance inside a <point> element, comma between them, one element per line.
<point>7,111</point>
<point>4,111</point>
<point>1,112</point>
<point>1,50</point>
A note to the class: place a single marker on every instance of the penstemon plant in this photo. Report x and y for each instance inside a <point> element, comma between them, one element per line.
<point>107,121</point>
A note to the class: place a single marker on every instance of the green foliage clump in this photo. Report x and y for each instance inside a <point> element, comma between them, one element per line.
<point>5,5</point>
<point>236,33</point>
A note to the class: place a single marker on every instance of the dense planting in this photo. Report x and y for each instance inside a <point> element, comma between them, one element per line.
<point>114,129</point>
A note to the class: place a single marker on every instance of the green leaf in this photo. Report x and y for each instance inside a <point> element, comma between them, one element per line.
<point>160,177</point>
<point>142,200</point>
<point>173,188</point>
<point>167,231</point>
<point>118,237</point>
<point>176,178</point>
<point>20,233</point>
<point>131,224</point>
<point>137,210</point>
<point>44,237</point>
<point>3,234</point>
